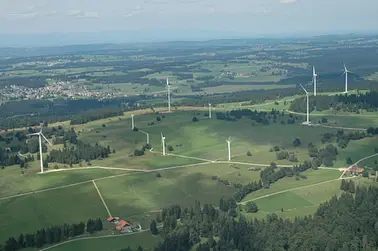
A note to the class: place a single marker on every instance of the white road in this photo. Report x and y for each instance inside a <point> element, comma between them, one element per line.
<point>102,199</point>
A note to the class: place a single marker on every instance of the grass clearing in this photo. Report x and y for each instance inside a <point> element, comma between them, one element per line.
<point>32,212</point>
<point>313,177</point>
<point>146,240</point>
<point>13,182</point>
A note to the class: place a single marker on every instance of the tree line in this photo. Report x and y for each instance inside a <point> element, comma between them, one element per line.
<point>51,235</point>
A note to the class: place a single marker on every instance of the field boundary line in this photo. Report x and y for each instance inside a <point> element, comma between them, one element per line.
<point>44,190</point>
<point>292,189</point>
<point>102,199</point>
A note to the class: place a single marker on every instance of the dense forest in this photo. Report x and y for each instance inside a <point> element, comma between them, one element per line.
<point>258,117</point>
<point>345,223</point>
<point>343,102</point>
<point>76,153</point>
<point>30,82</point>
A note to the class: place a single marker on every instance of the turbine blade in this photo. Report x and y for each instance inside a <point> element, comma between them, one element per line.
<point>33,134</point>
<point>304,89</point>
<point>46,139</point>
<point>229,138</point>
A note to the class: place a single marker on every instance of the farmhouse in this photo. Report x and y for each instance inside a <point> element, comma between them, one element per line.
<point>354,169</point>
<point>112,219</point>
<point>123,225</point>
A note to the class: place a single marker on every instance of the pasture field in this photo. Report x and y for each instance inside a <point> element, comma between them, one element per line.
<point>297,203</point>
<point>203,139</point>
<point>143,193</point>
<point>312,177</point>
<point>146,240</point>
<point>303,201</point>
<point>13,182</point>
<point>188,173</point>
<point>32,212</point>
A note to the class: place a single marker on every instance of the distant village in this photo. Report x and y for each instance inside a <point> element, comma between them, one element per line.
<point>59,89</point>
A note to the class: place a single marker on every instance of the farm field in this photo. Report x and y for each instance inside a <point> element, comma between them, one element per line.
<point>203,139</point>
<point>35,211</point>
<point>145,240</point>
<point>301,202</point>
<point>13,182</point>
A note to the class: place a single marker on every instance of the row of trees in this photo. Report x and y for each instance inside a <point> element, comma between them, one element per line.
<point>205,228</point>
<point>51,235</point>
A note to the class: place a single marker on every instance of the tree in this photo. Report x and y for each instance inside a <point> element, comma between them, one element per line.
<point>297,142</point>
<point>251,207</point>
<point>195,119</point>
<point>90,226</point>
<point>352,187</point>
<point>153,227</point>
<point>103,125</point>
<point>158,118</point>
<point>135,129</point>
<point>170,148</point>
<point>249,154</point>
<point>349,161</point>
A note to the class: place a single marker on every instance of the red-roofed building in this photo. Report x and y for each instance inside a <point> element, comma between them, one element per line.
<point>110,219</point>
<point>354,169</point>
<point>122,224</point>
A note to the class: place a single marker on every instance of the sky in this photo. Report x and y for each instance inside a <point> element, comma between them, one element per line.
<point>133,20</point>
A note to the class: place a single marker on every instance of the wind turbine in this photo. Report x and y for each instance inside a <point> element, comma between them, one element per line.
<point>346,78</point>
<point>308,107</point>
<point>209,111</point>
<point>229,148</point>
<point>163,143</point>
<point>169,96</point>
<point>132,121</point>
<point>314,75</point>
<point>40,135</point>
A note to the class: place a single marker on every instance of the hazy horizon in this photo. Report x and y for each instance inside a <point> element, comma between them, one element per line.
<point>54,22</point>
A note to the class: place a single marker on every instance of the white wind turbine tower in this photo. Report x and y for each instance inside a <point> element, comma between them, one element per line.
<point>40,135</point>
<point>132,121</point>
<point>163,143</point>
<point>346,78</point>
<point>308,108</point>
<point>229,148</point>
<point>209,111</point>
<point>314,76</point>
<point>169,96</point>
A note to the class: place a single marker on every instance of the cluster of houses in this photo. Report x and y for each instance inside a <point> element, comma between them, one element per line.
<point>124,226</point>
